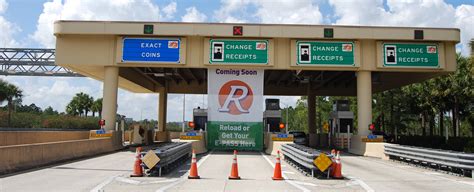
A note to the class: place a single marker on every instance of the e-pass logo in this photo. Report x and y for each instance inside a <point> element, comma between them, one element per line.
<point>172,44</point>
<point>431,49</point>
<point>235,97</point>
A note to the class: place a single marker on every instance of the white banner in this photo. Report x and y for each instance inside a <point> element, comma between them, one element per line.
<point>235,95</point>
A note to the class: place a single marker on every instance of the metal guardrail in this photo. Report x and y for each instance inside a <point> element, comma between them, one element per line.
<point>171,156</point>
<point>301,157</point>
<point>450,159</point>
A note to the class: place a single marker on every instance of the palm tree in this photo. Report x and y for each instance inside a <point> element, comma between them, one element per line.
<point>3,91</point>
<point>97,107</point>
<point>12,94</point>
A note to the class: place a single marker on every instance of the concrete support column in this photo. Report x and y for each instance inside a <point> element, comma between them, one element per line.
<point>162,107</point>
<point>109,102</point>
<point>364,102</point>
<point>313,138</point>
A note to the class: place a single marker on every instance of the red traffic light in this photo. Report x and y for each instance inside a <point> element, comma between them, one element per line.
<point>282,126</point>
<point>238,30</point>
<point>191,124</point>
<point>372,127</point>
<point>102,122</point>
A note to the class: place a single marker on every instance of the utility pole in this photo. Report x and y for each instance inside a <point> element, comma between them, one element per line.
<point>184,112</point>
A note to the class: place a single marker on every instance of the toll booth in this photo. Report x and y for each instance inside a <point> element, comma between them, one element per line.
<point>199,118</point>
<point>341,123</point>
<point>272,115</point>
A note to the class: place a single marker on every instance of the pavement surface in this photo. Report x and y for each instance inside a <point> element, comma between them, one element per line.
<point>111,173</point>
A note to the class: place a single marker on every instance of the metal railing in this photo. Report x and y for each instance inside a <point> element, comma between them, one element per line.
<point>435,158</point>
<point>301,157</point>
<point>171,156</point>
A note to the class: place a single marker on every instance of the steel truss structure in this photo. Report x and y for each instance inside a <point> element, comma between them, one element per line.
<point>31,62</point>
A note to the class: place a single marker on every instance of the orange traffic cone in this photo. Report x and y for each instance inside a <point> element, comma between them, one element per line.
<point>234,173</point>
<point>193,171</point>
<point>333,165</point>
<point>137,168</point>
<point>338,170</point>
<point>277,171</point>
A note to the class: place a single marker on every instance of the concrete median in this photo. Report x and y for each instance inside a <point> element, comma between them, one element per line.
<point>25,156</point>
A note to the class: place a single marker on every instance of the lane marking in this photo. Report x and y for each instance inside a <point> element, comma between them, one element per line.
<point>99,187</point>
<point>289,172</point>
<point>127,180</point>
<point>184,170</point>
<point>294,184</point>
<point>361,183</point>
<point>184,177</point>
<point>305,183</point>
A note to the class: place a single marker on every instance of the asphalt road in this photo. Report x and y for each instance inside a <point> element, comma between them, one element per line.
<point>111,173</point>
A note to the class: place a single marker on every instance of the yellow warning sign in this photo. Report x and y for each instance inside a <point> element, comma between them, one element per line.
<point>322,162</point>
<point>150,159</point>
<point>326,127</point>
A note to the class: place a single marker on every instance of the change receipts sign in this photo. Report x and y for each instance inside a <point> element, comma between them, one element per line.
<point>410,55</point>
<point>325,53</point>
<point>238,51</point>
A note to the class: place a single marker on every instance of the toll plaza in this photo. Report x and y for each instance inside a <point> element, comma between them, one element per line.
<point>291,60</point>
<point>236,65</point>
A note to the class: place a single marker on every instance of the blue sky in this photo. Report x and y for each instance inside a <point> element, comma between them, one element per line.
<point>28,23</point>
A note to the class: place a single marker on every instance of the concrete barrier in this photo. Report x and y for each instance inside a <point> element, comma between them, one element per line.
<point>174,135</point>
<point>21,157</point>
<point>30,137</point>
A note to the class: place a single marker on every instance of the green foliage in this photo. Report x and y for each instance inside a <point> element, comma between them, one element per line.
<point>33,120</point>
<point>465,144</point>
<point>80,104</point>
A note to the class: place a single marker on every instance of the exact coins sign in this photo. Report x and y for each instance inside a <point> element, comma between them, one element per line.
<point>238,51</point>
<point>325,53</point>
<point>151,50</point>
<point>410,55</point>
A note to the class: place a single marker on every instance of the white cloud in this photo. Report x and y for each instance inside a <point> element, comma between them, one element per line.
<point>7,28</point>
<point>123,10</point>
<point>422,13</point>
<point>289,12</point>
<point>277,11</point>
<point>193,15</point>
<point>169,10</point>
<point>3,6</point>
<point>465,21</point>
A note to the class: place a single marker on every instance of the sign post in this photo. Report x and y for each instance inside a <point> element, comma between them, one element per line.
<point>238,51</point>
<point>235,112</point>
<point>410,55</point>
<point>316,53</point>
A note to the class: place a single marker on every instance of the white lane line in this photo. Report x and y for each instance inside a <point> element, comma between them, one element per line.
<point>184,177</point>
<point>161,181</point>
<point>289,172</point>
<point>99,187</point>
<point>126,180</point>
<point>361,183</point>
<point>182,171</point>
<point>294,184</point>
<point>305,183</point>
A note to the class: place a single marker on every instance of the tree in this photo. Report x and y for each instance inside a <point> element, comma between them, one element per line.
<point>12,94</point>
<point>80,104</point>
<point>50,111</point>
<point>97,107</point>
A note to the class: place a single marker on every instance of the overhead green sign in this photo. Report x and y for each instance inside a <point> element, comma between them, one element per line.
<point>410,55</point>
<point>325,53</point>
<point>238,51</point>
<point>235,135</point>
